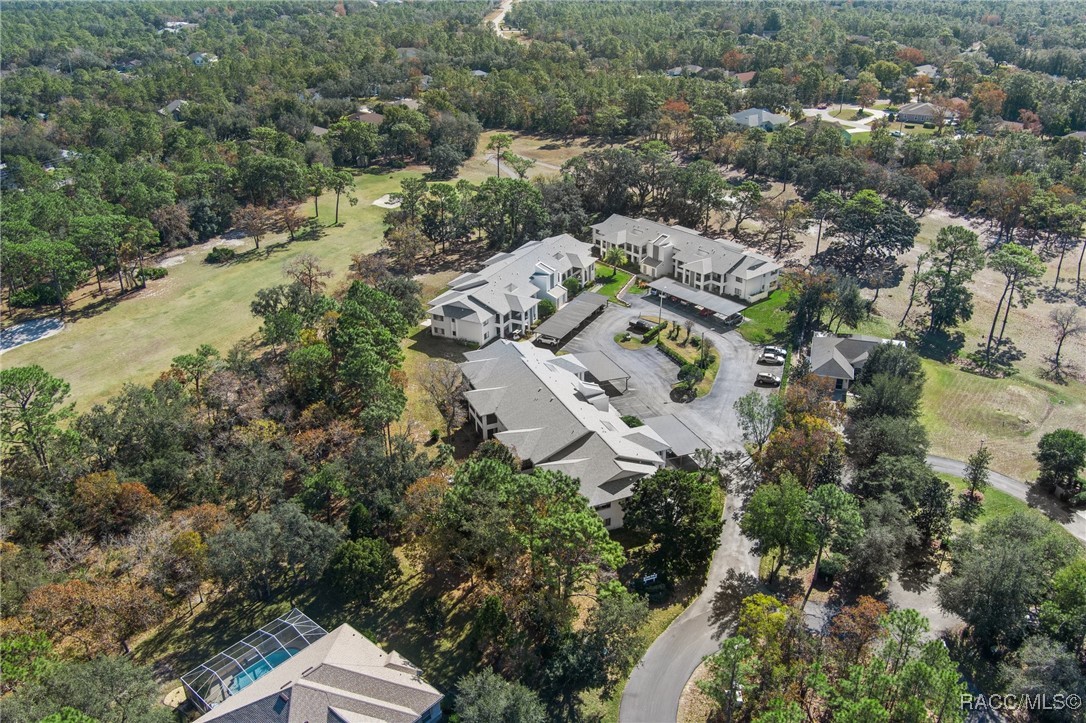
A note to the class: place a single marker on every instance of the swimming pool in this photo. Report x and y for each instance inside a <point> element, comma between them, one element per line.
<point>260,668</point>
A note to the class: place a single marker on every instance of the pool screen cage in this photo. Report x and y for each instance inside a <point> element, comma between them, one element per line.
<point>248,659</point>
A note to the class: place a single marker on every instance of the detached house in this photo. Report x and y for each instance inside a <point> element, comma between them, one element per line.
<point>842,357</point>
<point>502,299</point>
<point>760,118</point>
<point>543,408</point>
<point>200,59</point>
<point>921,113</point>
<point>717,266</point>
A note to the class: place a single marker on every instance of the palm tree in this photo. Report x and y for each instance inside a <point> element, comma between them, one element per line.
<point>616,257</point>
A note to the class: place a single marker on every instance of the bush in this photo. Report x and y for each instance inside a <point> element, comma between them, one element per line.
<point>929,126</point>
<point>36,295</point>
<point>154,273</point>
<point>435,434</point>
<point>546,308</point>
<point>632,421</point>
<point>374,171</point>
<point>397,164</point>
<point>220,255</point>
<point>573,286</point>
<point>831,566</point>
<point>670,352</point>
<point>654,332</point>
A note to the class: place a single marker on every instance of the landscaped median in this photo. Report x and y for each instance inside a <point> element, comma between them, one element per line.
<point>701,356</point>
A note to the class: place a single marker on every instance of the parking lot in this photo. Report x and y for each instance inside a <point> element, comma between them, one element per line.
<point>652,374</point>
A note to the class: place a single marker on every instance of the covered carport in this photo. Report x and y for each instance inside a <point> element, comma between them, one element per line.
<point>680,439</point>
<point>603,369</point>
<point>704,299</point>
<point>571,317</point>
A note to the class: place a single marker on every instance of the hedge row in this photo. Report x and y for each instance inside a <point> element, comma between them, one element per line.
<point>653,332</point>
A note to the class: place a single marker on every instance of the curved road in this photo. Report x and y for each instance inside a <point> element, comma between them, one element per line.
<point>1075,523</point>
<point>656,684</point>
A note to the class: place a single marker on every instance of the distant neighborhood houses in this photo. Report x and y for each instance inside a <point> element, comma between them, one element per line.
<point>922,113</point>
<point>176,26</point>
<point>760,118</point>
<point>717,266</point>
<point>203,58</point>
<point>173,109</point>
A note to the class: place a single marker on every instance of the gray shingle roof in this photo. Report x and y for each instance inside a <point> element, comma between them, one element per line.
<point>842,357</point>
<point>758,117</point>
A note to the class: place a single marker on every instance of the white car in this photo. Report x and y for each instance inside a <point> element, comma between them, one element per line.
<point>766,379</point>
<point>779,351</point>
<point>772,359</point>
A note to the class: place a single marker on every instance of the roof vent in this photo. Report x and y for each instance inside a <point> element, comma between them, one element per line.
<point>285,696</point>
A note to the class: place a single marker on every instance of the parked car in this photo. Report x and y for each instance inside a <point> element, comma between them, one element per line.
<point>772,359</point>
<point>897,134</point>
<point>765,379</point>
<point>640,325</point>
<point>779,351</point>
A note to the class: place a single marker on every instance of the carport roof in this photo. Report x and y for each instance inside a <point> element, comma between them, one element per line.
<point>572,315</point>
<point>601,366</point>
<point>679,437</point>
<point>702,298</point>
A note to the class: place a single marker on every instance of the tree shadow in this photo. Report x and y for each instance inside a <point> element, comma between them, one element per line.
<point>724,609</point>
<point>940,345</point>
<point>1041,500</point>
<point>919,573</point>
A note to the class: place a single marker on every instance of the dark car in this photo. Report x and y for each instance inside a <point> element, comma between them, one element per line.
<point>640,325</point>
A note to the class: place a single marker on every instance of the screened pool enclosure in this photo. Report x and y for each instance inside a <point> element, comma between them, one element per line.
<point>247,660</point>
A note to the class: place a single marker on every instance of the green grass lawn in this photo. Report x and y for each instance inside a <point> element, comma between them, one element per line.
<point>766,320</point>
<point>612,284</point>
<point>996,504</point>
<point>690,353</point>
<point>134,339</point>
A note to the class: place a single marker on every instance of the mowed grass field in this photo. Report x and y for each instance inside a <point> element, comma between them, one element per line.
<point>135,339</point>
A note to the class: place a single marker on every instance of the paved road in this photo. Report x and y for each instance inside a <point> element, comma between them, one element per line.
<point>1075,523</point>
<point>656,684</point>
<point>28,331</point>
<point>860,126</point>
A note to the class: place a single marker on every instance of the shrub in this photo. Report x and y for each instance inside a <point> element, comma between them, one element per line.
<point>546,308</point>
<point>670,352</point>
<point>573,286</point>
<point>435,434</point>
<point>632,421</point>
<point>154,273</point>
<point>831,565</point>
<point>220,255</point>
<point>36,295</point>
<point>654,332</point>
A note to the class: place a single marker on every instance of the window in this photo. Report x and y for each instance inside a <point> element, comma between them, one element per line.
<point>439,331</point>
<point>486,335</point>
<point>605,506</point>
<point>439,317</point>
<point>606,521</point>
<point>492,418</point>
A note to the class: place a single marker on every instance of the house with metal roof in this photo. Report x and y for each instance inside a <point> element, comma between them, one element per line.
<point>502,299</point>
<point>545,409</point>
<point>842,357</point>
<point>760,118</point>
<point>293,671</point>
<point>717,266</point>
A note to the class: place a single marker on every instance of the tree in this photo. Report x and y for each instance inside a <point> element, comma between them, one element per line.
<point>498,143</point>
<point>848,306</point>
<point>107,689</point>
<point>289,217</point>
<point>363,569</point>
<point>955,256</point>
<point>835,520</point>
<point>406,242</point>
<point>355,142</point>
<point>318,179</point>
<point>731,670</point>
<point>1020,268</point>
<point>254,222</point>
<point>445,386</point>
<point>444,215</point>
<point>509,211</point>
<point>519,164</point>
<point>758,415</point>
<point>690,375</point>
<point>1042,668</point>
<point>1001,573</point>
<point>976,472</point>
<point>678,510</point>
<point>1061,455</point>
<point>546,309</point>
<point>824,206</point>
<point>307,271</point>
<point>616,257</point>
<point>32,410</point>
<point>867,230</point>
<point>342,182</point>
<point>743,202</point>
<point>1065,324</point>
<point>1063,614</point>
<point>197,366</point>
<point>486,697</point>
<point>781,220</point>
<point>776,519</point>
